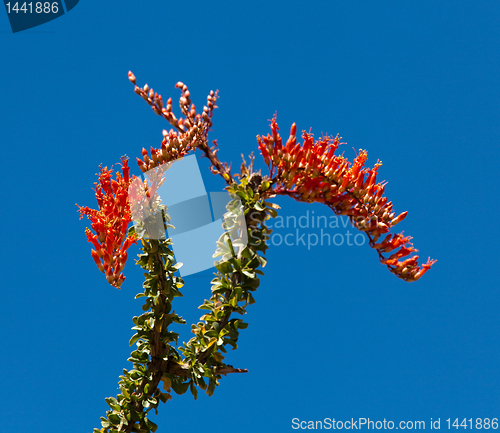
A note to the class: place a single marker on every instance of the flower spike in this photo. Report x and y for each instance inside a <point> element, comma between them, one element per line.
<point>311,172</point>
<point>110,223</point>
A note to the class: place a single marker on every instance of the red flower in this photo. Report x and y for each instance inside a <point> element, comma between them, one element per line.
<point>110,223</point>
<point>188,132</point>
<point>311,172</point>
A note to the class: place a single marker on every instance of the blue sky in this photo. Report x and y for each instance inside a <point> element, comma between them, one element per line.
<point>333,334</point>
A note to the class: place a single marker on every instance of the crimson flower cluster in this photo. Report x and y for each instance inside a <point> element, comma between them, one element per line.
<point>110,223</point>
<point>312,172</point>
<point>188,132</point>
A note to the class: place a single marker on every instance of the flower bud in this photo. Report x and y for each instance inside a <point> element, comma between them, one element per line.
<point>399,218</point>
<point>141,165</point>
<point>97,260</point>
<point>155,157</point>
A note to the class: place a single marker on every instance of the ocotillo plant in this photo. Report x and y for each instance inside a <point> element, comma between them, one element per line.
<point>309,172</point>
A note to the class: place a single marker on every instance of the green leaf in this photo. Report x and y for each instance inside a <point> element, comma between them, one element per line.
<point>250,299</point>
<point>193,389</point>
<point>251,284</point>
<point>135,416</point>
<point>211,388</point>
<point>111,400</point>
<point>179,387</point>
<point>247,253</point>
<point>114,419</point>
<point>238,292</point>
<point>224,267</point>
<point>272,212</point>
<point>200,382</point>
<point>113,403</point>
<point>164,397</point>
<point>207,305</point>
<point>232,343</point>
<point>242,195</point>
<point>259,206</point>
<point>151,425</point>
<point>241,325</point>
<point>272,205</point>
<point>134,338</point>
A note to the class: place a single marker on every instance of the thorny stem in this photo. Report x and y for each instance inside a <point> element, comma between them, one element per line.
<point>217,166</point>
<point>159,350</point>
